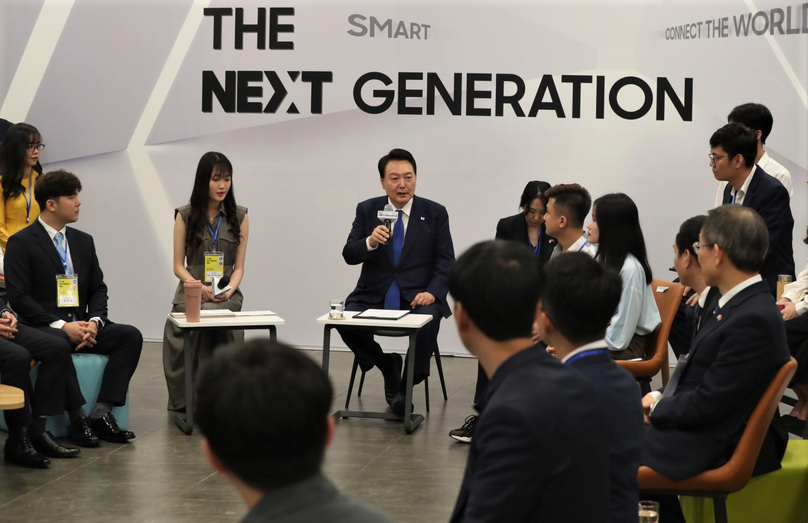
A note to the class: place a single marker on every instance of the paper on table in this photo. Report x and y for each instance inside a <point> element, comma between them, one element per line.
<point>381,314</point>
<point>256,313</point>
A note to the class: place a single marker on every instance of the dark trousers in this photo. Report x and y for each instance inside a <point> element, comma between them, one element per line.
<point>368,352</point>
<point>55,366</point>
<point>481,389</point>
<point>122,343</point>
<point>797,338</point>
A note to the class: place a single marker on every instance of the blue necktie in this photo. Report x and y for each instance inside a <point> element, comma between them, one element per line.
<point>60,248</point>
<point>392,300</point>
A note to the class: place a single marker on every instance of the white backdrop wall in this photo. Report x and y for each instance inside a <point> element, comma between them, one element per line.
<point>116,89</point>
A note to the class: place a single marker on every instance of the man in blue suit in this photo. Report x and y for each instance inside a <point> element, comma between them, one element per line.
<point>574,325</point>
<point>733,149</point>
<point>696,421</point>
<point>405,269</point>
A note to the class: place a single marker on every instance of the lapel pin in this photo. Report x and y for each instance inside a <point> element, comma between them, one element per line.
<point>719,317</point>
<point>423,219</point>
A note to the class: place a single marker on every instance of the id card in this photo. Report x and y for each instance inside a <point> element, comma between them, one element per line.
<point>214,265</point>
<point>67,290</point>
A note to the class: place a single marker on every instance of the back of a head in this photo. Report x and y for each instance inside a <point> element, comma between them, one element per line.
<point>741,233</point>
<point>735,139</point>
<point>572,201</point>
<point>689,234</point>
<point>55,184</point>
<point>263,407</point>
<point>620,233</point>
<point>580,296</point>
<point>534,189</point>
<point>498,283</point>
<point>397,155</point>
<point>755,116</point>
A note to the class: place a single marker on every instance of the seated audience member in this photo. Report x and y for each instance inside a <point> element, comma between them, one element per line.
<point>74,308</point>
<point>526,227</point>
<point>795,304</point>
<point>732,158</point>
<point>575,325</point>
<point>19,170</point>
<point>567,207</point>
<point>615,228</point>
<point>403,269</point>
<point>696,421</point>
<point>538,444</point>
<point>687,267</point>
<point>264,411</point>
<point>758,118</point>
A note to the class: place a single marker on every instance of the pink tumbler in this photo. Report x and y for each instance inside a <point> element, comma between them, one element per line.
<point>193,300</point>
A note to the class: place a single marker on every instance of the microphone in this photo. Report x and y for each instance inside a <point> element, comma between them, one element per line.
<point>387,221</point>
<point>223,282</point>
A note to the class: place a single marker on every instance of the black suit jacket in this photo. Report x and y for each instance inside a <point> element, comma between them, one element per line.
<point>514,228</point>
<point>537,446</point>
<point>426,256</point>
<point>734,357</point>
<point>770,199</point>
<point>618,397</point>
<point>32,264</point>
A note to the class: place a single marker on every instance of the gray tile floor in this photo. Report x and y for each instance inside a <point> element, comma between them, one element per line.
<point>162,477</point>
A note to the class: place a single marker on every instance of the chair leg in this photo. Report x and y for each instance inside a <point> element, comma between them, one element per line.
<point>440,373</point>
<point>426,393</point>
<point>645,386</point>
<point>720,510</point>
<point>351,382</point>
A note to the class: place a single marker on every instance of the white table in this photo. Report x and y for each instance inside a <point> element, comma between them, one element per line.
<point>409,326</point>
<point>244,320</point>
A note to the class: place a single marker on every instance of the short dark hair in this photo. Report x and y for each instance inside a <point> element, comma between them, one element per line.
<point>263,407</point>
<point>735,139</point>
<point>533,190</point>
<point>689,234</point>
<point>571,283</point>
<point>52,185</point>
<point>755,116</point>
<point>740,232</point>
<point>397,154</point>
<point>573,200</point>
<point>498,282</point>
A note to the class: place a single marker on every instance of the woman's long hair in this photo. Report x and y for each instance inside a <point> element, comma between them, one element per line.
<point>197,220</point>
<point>12,157</point>
<point>620,233</point>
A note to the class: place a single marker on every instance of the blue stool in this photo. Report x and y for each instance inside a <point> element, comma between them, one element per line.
<point>90,371</point>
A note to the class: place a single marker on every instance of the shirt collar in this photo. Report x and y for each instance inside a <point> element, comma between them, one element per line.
<point>406,209</point>
<point>50,230</point>
<point>600,344</point>
<point>703,296</point>
<point>738,288</point>
<point>745,187</point>
<point>578,245</point>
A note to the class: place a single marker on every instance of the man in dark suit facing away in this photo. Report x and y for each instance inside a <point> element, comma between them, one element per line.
<point>696,421</point>
<point>575,325</point>
<point>541,442</point>
<point>55,284</point>
<point>733,149</point>
<point>403,269</point>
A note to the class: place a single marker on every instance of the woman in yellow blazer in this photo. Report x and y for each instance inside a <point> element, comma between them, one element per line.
<point>18,157</point>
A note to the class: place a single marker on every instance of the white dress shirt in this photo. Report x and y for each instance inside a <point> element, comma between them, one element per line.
<point>797,292</point>
<point>772,168</point>
<point>581,244</point>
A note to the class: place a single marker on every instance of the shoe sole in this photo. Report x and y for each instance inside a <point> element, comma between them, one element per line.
<point>461,439</point>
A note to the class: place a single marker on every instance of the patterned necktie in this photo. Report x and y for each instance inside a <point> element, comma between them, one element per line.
<point>697,314</point>
<point>392,300</point>
<point>60,248</point>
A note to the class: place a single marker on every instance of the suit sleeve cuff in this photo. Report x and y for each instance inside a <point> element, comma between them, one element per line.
<point>98,321</point>
<point>7,309</point>
<point>657,396</point>
<point>58,324</point>
<point>367,244</point>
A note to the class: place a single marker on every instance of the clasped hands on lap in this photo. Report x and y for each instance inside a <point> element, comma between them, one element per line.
<point>207,294</point>
<point>8,326</point>
<point>81,333</point>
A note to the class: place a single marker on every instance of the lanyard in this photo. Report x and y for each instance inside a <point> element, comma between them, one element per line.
<point>586,242</point>
<point>65,258</point>
<point>586,354</point>
<point>30,198</point>
<point>537,248</point>
<point>215,235</point>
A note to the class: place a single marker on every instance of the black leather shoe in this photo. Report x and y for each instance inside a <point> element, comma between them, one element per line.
<point>397,405</point>
<point>21,452</point>
<point>45,444</point>
<point>81,433</point>
<point>107,429</point>
<point>392,378</point>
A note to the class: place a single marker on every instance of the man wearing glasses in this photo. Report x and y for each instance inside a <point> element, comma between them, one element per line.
<point>733,149</point>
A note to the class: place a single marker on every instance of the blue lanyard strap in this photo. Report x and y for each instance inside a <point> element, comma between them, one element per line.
<point>586,354</point>
<point>537,248</point>
<point>586,242</point>
<point>215,235</point>
<point>30,198</point>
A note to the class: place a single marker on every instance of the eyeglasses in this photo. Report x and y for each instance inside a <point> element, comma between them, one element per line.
<point>32,146</point>
<point>698,245</point>
<point>714,157</point>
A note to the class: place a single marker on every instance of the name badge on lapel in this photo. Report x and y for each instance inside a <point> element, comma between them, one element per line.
<point>67,290</point>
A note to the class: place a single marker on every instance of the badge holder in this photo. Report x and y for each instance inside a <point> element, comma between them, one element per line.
<point>67,290</point>
<point>214,266</point>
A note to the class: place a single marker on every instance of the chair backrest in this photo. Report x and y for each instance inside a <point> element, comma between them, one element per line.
<point>668,295</point>
<point>735,473</point>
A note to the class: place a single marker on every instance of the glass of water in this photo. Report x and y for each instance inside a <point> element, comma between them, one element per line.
<point>649,512</point>
<point>337,307</point>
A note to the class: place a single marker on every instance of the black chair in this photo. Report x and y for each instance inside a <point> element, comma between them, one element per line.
<point>395,334</point>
